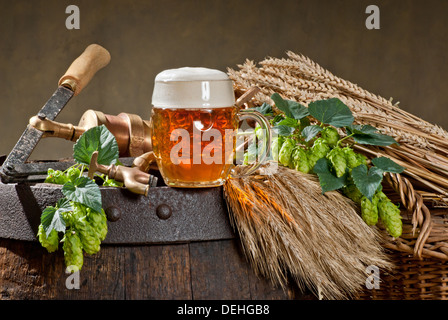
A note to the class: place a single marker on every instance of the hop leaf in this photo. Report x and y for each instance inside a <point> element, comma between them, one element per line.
<point>351,191</point>
<point>367,181</point>
<point>96,139</point>
<point>292,109</point>
<point>328,181</point>
<point>366,134</point>
<point>53,217</point>
<point>310,132</point>
<point>387,165</point>
<point>85,191</point>
<point>331,111</point>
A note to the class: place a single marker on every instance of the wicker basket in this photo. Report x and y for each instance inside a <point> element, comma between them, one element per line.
<point>412,279</point>
<point>419,255</point>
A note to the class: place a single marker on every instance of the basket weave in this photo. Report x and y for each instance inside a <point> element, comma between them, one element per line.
<point>421,252</point>
<point>419,255</point>
<point>412,279</point>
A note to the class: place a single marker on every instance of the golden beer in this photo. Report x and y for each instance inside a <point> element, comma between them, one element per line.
<point>201,160</point>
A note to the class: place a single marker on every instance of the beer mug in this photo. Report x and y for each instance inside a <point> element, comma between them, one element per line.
<point>194,122</point>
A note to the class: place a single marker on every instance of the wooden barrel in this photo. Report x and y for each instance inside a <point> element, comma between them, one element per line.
<point>172,244</point>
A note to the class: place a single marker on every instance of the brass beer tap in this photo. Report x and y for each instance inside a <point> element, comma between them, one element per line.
<point>133,178</point>
<point>131,131</point>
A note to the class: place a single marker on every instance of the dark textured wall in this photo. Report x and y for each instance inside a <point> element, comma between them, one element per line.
<point>406,59</point>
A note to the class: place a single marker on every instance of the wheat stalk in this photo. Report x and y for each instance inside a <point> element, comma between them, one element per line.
<point>288,227</point>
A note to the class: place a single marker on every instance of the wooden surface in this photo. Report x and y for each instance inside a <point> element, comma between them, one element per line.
<point>190,271</point>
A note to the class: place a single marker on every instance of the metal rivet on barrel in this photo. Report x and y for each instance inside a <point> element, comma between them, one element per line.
<point>163,211</point>
<point>113,213</point>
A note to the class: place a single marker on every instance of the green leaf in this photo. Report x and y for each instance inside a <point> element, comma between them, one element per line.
<point>310,132</point>
<point>85,191</point>
<point>112,183</point>
<point>290,122</point>
<point>387,165</point>
<point>360,129</point>
<point>96,139</point>
<point>374,139</point>
<point>292,109</point>
<point>331,111</point>
<point>265,109</point>
<point>366,134</point>
<point>328,181</point>
<point>277,119</point>
<point>51,217</point>
<point>283,130</point>
<point>64,205</point>
<point>367,182</point>
<point>304,122</point>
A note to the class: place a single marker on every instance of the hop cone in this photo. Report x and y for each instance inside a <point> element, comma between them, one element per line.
<point>331,135</point>
<point>51,243</point>
<point>369,210</point>
<point>98,221</point>
<point>276,145</point>
<point>73,255</point>
<point>300,160</point>
<point>284,156</point>
<point>391,217</point>
<point>90,239</point>
<point>337,159</point>
<point>320,148</point>
<point>55,177</point>
<point>73,173</point>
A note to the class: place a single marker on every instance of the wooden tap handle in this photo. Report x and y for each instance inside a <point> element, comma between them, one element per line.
<point>249,94</point>
<point>82,70</point>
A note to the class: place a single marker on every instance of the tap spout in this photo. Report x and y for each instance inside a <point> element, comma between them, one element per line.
<point>133,178</point>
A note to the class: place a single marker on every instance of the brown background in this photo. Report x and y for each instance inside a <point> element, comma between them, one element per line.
<point>405,59</point>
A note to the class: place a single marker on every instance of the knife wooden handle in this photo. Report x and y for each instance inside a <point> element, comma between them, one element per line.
<point>82,70</point>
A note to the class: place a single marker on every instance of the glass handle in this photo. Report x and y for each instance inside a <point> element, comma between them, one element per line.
<point>266,127</point>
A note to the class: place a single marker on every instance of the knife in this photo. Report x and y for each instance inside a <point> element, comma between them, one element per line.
<point>75,79</point>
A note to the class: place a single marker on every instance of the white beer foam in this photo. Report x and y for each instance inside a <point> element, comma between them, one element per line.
<point>193,87</point>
